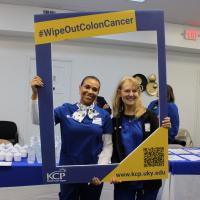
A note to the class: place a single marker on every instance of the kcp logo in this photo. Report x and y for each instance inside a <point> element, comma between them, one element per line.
<point>56,176</point>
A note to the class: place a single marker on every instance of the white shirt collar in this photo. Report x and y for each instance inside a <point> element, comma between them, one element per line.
<point>83,111</point>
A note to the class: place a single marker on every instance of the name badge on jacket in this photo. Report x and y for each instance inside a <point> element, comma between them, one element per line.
<point>97,121</point>
<point>147,127</point>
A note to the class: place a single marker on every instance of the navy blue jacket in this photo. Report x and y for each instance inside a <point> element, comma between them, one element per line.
<point>118,149</point>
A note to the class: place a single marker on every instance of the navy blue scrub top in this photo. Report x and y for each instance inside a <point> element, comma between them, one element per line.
<point>131,134</point>
<point>132,137</point>
<point>81,142</point>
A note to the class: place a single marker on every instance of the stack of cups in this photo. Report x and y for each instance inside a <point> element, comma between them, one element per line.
<point>22,152</point>
<point>8,152</point>
<point>2,155</point>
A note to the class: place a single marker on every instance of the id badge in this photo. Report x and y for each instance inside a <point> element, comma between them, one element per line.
<point>97,121</point>
<point>147,127</point>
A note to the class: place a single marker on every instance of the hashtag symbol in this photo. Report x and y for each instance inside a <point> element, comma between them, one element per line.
<point>41,34</point>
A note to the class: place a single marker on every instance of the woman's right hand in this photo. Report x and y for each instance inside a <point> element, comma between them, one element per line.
<point>35,83</point>
<point>95,181</point>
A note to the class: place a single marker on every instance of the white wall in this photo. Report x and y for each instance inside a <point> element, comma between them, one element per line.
<point>19,20</point>
<point>183,74</point>
<point>98,57</point>
<point>107,62</point>
<point>14,72</point>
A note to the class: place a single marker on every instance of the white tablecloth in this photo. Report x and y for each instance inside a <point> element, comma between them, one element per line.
<point>180,187</point>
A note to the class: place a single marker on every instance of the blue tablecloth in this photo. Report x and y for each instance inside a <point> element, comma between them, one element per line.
<point>21,174</point>
<point>24,174</point>
<point>185,166</point>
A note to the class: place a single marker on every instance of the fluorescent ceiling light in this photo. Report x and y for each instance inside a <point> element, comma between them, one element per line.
<point>140,1</point>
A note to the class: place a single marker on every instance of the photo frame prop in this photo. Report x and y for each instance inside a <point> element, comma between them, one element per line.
<point>56,27</point>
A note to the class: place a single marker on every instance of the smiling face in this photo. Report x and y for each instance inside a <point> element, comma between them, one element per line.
<point>129,93</point>
<point>89,91</point>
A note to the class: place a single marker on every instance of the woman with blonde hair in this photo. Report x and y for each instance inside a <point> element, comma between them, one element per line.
<point>132,124</point>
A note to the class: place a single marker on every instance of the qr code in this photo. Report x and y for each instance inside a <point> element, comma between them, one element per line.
<point>153,156</point>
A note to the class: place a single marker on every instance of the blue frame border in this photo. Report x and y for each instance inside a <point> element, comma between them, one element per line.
<point>146,21</point>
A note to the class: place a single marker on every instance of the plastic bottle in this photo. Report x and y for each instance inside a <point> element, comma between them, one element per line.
<point>57,152</point>
<point>31,155</point>
<point>38,152</point>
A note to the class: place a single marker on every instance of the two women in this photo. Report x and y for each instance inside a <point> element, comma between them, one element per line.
<point>86,136</point>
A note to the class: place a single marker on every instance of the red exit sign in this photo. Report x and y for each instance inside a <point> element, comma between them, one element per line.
<point>191,34</point>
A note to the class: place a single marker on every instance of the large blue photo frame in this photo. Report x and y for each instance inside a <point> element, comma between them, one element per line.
<point>146,21</point>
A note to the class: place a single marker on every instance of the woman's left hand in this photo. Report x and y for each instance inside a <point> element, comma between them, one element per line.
<point>114,180</point>
<point>166,123</point>
<point>95,181</point>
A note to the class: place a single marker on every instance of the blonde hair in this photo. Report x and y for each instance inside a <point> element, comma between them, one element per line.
<point>117,103</point>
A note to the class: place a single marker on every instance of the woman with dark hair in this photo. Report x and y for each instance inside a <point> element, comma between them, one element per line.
<point>85,136</point>
<point>172,113</point>
<point>130,121</point>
